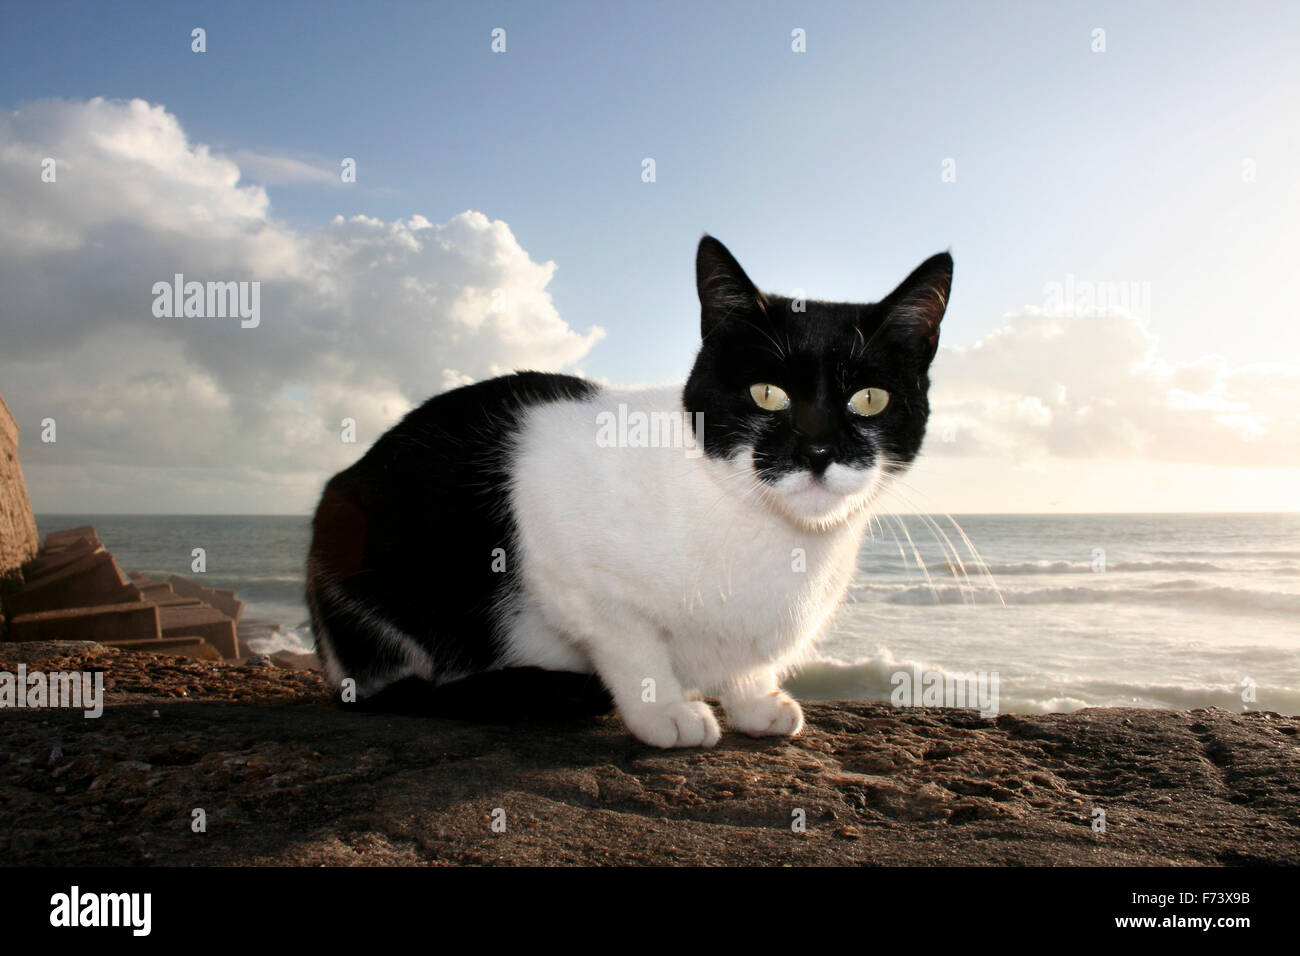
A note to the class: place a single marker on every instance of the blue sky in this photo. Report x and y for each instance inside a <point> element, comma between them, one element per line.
<point>821,170</point>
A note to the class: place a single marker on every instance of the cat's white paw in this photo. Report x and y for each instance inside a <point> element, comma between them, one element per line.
<point>683,723</point>
<point>773,715</point>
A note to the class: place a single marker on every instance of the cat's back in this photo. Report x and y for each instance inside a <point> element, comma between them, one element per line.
<point>449,458</point>
<point>403,541</point>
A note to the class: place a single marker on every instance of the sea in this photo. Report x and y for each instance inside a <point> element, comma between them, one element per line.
<point>1065,611</point>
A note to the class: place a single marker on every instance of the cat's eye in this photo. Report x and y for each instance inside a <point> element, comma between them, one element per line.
<point>868,401</point>
<point>769,397</point>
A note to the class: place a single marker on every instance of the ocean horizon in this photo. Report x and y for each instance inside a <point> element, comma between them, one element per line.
<point>1153,610</point>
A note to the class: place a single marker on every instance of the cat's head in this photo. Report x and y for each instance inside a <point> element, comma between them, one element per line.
<point>811,405</point>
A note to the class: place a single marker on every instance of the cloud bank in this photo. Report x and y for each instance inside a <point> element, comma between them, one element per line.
<point>360,319</point>
<point>1094,386</point>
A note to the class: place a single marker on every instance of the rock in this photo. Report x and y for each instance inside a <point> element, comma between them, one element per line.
<point>125,774</point>
<point>289,778</point>
<point>32,652</point>
<point>298,661</point>
<point>195,647</point>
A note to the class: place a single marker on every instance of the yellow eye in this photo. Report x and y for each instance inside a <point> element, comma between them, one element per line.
<point>769,397</point>
<point>869,401</point>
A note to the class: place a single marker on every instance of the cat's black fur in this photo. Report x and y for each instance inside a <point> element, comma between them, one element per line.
<point>408,532</point>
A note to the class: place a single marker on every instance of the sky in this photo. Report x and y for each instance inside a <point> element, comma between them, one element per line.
<point>1117,185</point>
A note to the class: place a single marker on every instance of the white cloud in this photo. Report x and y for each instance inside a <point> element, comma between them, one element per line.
<point>360,318</point>
<point>1095,386</point>
<point>276,170</point>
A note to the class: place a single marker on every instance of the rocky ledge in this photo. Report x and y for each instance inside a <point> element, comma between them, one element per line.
<point>284,776</point>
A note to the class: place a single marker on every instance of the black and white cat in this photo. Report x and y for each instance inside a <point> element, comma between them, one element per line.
<point>493,534</point>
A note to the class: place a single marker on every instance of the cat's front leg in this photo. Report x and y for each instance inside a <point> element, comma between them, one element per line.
<point>760,708</point>
<point>650,698</point>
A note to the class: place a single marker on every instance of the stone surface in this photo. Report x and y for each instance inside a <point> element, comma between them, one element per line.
<point>285,776</point>
<point>18,537</point>
<point>195,647</point>
<point>35,651</point>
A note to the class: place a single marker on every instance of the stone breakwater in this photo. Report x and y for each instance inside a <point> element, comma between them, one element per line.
<point>73,589</point>
<point>285,776</point>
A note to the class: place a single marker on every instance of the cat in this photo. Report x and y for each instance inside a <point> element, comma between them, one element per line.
<point>491,543</point>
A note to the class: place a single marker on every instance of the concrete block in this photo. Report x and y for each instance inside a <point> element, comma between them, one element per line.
<point>175,600</point>
<point>48,562</point>
<point>89,581</point>
<point>227,603</point>
<point>223,600</point>
<point>199,621</point>
<point>76,544</point>
<point>102,624</point>
<point>57,540</point>
<point>128,594</point>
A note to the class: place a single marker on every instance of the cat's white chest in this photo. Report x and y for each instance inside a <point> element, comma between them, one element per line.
<point>628,544</point>
<point>761,596</point>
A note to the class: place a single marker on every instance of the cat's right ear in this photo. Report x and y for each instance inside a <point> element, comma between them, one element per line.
<point>723,287</point>
<point>916,307</point>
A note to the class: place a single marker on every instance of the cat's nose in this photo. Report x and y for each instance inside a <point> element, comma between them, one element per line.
<point>816,457</point>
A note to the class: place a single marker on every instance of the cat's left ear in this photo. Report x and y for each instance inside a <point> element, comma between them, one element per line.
<point>915,309</point>
<point>723,287</point>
